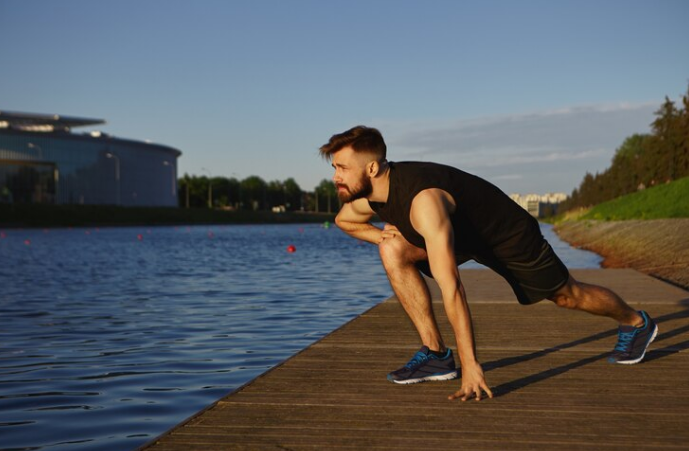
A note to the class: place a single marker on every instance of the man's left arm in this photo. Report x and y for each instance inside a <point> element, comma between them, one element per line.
<point>430,216</point>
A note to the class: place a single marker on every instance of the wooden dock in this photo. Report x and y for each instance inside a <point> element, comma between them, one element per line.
<point>547,367</point>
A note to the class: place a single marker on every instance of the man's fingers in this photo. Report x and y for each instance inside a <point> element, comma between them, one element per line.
<point>488,391</point>
<point>478,394</point>
<point>474,392</point>
<point>466,395</point>
<point>388,234</point>
<point>456,395</point>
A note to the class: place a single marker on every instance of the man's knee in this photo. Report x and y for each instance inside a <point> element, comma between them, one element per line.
<point>568,295</point>
<point>396,251</point>
<point>391,251</point>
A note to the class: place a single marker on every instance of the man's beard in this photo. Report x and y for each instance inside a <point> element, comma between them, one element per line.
<point>364,189</point>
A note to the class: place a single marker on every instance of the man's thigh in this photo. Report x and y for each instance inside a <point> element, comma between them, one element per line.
<point>533,281</point>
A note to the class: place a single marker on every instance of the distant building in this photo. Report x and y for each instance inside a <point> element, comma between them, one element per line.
<point>538,205</point>
<point>42,161</point>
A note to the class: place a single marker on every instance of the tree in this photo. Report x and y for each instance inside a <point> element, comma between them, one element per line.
<point>251,193</point>
<point>225,192</point>
<point>293,195</point>
<point>234,192</point>
<point>254,191</point>
<point>326,196</point>
<point>197,189</point>
<point>642,160</point>
<point>627,171</point>
<point>664,141</point>
<point>275,194</point>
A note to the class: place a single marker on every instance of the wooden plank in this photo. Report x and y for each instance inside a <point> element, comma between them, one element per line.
<point>547,367</point>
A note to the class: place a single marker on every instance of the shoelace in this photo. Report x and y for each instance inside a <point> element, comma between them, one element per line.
<point>624,339</point>
<point>418,359</point>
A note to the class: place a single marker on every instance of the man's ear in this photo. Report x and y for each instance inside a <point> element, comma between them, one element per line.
<point>372,169</point>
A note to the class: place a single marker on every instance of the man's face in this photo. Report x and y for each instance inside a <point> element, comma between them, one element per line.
<point>350,177</point>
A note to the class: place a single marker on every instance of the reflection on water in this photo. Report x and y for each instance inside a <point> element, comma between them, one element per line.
<point>109,337</point>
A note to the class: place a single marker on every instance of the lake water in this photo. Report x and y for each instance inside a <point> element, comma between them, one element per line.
<point>109,337</point>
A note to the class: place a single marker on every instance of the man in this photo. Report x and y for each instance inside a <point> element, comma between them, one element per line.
<point>439,217</point>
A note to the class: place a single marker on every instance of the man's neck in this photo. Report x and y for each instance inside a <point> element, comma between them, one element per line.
<point>381,186</point>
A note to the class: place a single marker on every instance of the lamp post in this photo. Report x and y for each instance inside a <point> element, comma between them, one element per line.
<point>210,187</point>
<point>186,186</point>
<point>117,174</point>
<point>173,183</point>
<point>239,194</point>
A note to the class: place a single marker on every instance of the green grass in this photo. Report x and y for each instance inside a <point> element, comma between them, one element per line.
<point>663,201</point>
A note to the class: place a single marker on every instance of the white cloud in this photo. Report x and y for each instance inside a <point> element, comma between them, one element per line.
<point>568,141</point>
<point>509,177</point>
<point>534,157</point>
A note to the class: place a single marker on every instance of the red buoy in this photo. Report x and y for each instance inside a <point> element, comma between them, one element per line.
<point>291,248</point>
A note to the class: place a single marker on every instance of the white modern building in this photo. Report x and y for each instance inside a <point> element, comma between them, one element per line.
<point>42,161</point>
<point>536,204</point>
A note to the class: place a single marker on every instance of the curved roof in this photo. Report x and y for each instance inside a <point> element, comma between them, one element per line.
<point>31,121</point>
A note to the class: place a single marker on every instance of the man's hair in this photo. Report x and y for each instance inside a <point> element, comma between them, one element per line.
<point>361,139</point>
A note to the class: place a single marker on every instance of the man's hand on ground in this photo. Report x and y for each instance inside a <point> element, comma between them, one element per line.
<point>473,384</point>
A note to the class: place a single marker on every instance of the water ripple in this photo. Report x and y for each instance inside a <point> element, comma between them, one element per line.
<point>106,341</point>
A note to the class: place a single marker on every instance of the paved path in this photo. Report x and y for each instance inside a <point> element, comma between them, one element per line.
<point>547,366</point>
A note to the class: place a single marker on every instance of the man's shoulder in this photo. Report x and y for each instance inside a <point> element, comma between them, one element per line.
<point>413,163</point>
<point>423,166</point>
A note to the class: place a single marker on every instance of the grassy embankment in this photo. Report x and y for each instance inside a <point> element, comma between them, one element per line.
<point>663,201</point>
<point>647,231</point>
<point>101,215</point>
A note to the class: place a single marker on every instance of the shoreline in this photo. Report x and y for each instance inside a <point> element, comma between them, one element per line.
<point>657,247</point>
<point>55,216</point>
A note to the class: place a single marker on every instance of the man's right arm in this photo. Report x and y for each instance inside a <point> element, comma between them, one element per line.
<point>354,219</point>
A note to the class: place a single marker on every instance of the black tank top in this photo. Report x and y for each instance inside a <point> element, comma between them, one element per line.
<point>487,223</point>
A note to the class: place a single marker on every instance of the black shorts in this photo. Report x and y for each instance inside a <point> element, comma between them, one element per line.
<point>531,281</point>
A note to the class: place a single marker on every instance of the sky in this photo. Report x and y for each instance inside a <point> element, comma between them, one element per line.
<point>529,94</point>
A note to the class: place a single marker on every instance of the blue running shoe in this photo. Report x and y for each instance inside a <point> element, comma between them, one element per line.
<point>425,366</point>
<point>632,342</point>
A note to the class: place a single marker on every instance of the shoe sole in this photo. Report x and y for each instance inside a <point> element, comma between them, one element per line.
<point>434,378</point>
<point>632,362</point>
